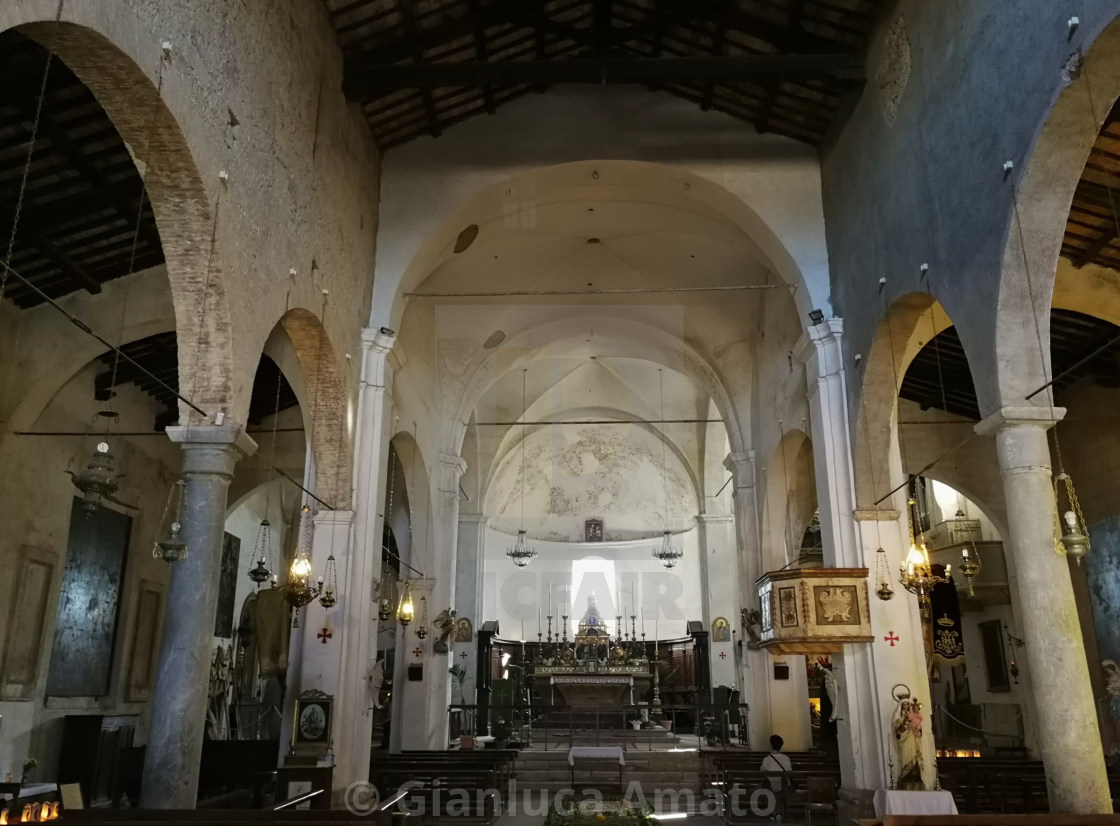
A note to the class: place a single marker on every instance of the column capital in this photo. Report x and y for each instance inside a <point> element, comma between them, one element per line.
<point>877,514</point>
<point>339,518</point>
<point>741,466</point>
<point>1005,417</point>
<point>212,448</point>
<point>714,518</point>
<point>451,467</point>
<point>377,345</point>
<point>823,342</point>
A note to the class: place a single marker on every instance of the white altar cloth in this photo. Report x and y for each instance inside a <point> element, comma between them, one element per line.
<point>603,753</point>
<point>898,802</point>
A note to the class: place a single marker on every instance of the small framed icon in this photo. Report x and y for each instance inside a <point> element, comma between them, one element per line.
<point>313,720</point>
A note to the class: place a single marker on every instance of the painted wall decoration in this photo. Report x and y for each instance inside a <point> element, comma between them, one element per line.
<point>1102,567</point>
<point>721,630</point>
<point>227,586</point>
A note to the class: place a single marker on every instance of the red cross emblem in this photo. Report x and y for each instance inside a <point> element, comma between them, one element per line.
<point>416,652</point>
<point>723,655</point>
<point>324,635</point>
<point>891,638</point>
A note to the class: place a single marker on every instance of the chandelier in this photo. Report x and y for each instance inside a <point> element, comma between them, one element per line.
<point>667,553</point>
<point>916,573</point>
<point>521,553</point>
<point>299,590</point>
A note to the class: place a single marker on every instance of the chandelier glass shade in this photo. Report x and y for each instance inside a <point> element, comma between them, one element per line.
<point>406,610</point>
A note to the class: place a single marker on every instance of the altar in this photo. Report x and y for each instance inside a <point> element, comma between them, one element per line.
<point>594,691</point>
<point>608,688</point>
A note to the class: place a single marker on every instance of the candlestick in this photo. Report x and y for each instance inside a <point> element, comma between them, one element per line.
<point>522,632</point>
<point>550,597</point>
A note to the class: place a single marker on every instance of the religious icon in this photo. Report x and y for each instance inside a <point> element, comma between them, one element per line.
<point>313,719</point>
<point>721,630</point>
<point>593,530</point>
<point>464,632</point>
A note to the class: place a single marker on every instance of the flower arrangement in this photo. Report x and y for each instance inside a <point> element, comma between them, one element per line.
<point>593,813</point>
<point>28,765</point>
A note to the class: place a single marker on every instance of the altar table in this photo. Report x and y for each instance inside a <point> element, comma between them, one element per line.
<point>594,691</point>
<point>898,802</point>
<point>595,754</point>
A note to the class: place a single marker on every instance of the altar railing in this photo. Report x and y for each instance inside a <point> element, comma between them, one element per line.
<point>543,725</point>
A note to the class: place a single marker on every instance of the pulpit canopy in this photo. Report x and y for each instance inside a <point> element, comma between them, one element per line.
<point>814,610</point>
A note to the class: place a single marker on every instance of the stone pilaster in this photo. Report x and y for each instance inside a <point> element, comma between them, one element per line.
<point>356,614</point>
<point>866,672</point>
<point>469,564</point>
<point>1059,675</point>
<point>425,703</point>
<point>756,663</point>
<point>178,705</point>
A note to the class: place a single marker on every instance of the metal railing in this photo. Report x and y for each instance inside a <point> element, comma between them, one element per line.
<point>558,726</point>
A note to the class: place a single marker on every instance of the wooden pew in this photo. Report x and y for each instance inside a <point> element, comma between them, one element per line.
<point>466,785</point>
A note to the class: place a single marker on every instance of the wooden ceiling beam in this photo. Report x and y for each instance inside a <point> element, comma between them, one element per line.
<point>367,81</point>
<point>405,7</point>
<point>481,52</point>
<point>1090,253</point>
<point>73,270</point>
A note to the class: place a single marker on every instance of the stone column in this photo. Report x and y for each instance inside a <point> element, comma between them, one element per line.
<point>468,593</point>
<point>1067,725</point>
<point>178,707</point>
<point>357,612</point>
<point>756,671</point>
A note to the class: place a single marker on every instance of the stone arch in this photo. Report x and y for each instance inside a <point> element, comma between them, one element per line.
<point>790,498</point>
<point>632,337</point>
<point>1035,229</point>
<point>323,399</point>
<point>670,187</point>
<point>121,77</point>
<point>415,475</point>
<point>910,322</point>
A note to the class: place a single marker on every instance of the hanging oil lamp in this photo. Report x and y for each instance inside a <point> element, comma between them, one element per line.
<point>884,591</point>
<point>172,548</point>
<point>98,481</point>
<point>262,552</point>
<point>422,625</point>
<point>406,610</point>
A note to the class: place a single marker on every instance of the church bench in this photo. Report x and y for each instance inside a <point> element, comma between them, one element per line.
<point>791,800</point>
<point>433,779</point>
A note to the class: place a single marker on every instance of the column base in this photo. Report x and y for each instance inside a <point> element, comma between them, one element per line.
<point>853,805</point>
